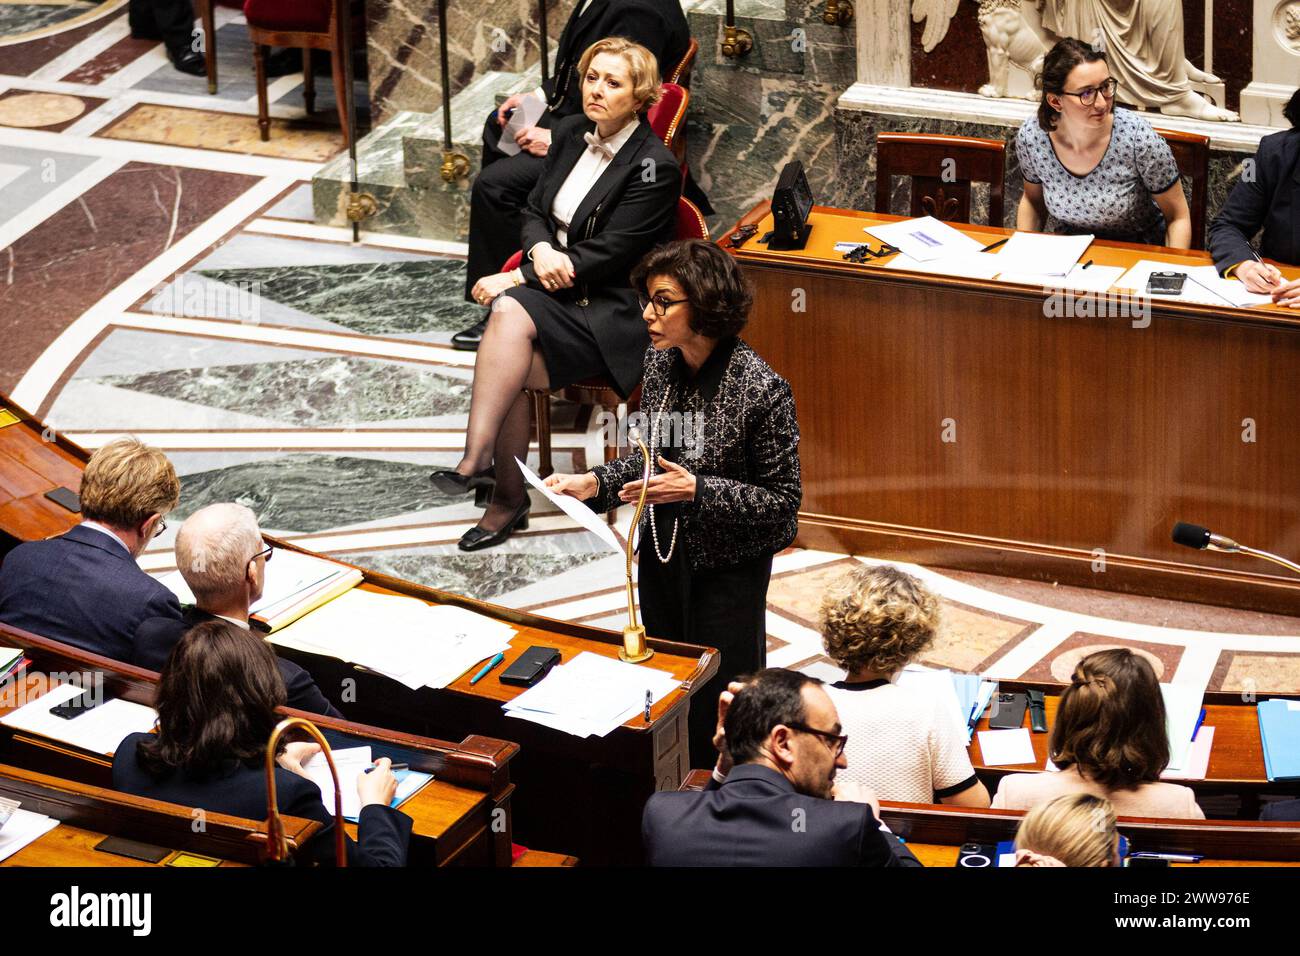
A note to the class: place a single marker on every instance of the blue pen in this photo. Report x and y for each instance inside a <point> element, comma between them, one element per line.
<point>487,667</point>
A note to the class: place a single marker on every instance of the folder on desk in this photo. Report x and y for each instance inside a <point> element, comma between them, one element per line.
<point>1279,732</point>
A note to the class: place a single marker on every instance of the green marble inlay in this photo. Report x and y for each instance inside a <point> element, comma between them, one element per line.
<point>482,576</point>
<point>373,298</point>
<point>19,18</point>
<point>309,493</point>
<point>313,392</point>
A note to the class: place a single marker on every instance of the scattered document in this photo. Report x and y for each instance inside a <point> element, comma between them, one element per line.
<point>526,114</point>
<point>98,730</point>
<point>574,508</point>
<point>1092,279</point>
<point>966,265</point>
<point>591,695</point>
<point>1003,748</point>
<point>1182,713</point>
<point>23,828</point>
<point>1198,764</point>
<point>1043,254</point>
<point>351,763</point>
<point>417,644</point>
<point>925,239</point>
<point>1204,286</point>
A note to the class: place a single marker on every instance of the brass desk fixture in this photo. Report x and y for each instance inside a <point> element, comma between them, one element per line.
<point>735,41</point>
<point>277,846</point>
<point>837,13</point>
<point>455,166</point>
<point>634,649</point>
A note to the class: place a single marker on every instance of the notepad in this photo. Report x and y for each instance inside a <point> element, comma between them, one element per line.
<point>98,730</point>
<point>1001,748</point>
<point>1279,734</point>
<point>23,828</point>
<point>1042,253</point>
<point>351,763</point>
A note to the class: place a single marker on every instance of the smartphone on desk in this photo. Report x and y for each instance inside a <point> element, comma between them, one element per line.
<point>1166,283</point>
<point>1008,711</point>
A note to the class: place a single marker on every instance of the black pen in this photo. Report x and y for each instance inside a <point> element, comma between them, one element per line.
<point>396,766</point>
<point>1088,263</point>
<point>993,245</point>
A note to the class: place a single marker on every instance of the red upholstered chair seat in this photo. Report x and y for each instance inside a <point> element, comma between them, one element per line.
<point>298,16</point>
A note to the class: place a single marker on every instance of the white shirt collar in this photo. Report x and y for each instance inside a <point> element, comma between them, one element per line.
<point>616,141</point>
<point>104,529</point>
<point>234,620</point>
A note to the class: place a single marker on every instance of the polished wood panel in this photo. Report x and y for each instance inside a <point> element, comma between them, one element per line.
<point>1075,437</point>
<point>34,460</point>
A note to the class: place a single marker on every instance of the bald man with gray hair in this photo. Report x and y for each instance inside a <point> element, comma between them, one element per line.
<point>222,557</point>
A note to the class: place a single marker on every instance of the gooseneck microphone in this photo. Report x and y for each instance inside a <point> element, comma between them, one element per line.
<point>1195,536</point>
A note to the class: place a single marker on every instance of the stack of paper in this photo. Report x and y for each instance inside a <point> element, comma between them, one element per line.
<point>1035,252</point>
<point>296,583</point>
<point>965,265</point>
<point>400,637</point>
<point>1198,762</point>
<point>351,763</point>
<point>1092,279</point>
<point>925,239</point>
<point>591,695</point>
<point>11,658</point>
<point>1279,733</point>
<point>1183,715</point>
<point>1203,285</point>
<point>21,829</point>
<point>98,730</point>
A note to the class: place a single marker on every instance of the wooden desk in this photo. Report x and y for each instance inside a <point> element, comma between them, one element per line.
<point>463,816</point>
<point>34,460</point>
<point>1073,436</point>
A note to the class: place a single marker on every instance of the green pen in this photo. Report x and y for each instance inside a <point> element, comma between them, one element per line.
<point>487,667</point>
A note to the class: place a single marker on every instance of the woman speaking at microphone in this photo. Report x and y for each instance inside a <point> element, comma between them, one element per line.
<point>724,491</point>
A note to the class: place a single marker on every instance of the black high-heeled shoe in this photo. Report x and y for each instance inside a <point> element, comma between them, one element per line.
<point>476,538</point>
<point>451,482</point>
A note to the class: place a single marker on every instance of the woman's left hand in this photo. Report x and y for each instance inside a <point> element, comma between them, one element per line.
<point>1288,294</point>
<point>675,483</point>
<point>296,754</point>
<point>489,287</point>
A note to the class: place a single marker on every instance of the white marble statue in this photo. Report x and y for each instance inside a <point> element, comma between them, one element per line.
<point>1143,41</point>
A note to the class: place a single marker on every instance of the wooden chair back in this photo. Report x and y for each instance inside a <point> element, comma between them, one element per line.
<point>1192,154</point>
<point>942,169</point>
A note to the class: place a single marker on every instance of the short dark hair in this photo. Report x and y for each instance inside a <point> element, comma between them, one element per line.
<point>1111,721</point>
<point>216,702</point>
<point>718,291</point>
<point>1292,110</point>
<point>1057,64</point>
<point>771,697</point>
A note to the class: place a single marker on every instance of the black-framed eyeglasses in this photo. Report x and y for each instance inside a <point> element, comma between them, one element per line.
<point>1106,89</point>
<point>162,526</point>
<point>661,303</point>
<point>264,553</point>
<point>839,741</point>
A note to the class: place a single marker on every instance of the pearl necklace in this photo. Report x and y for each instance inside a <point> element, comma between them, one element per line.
<point>654,527</point>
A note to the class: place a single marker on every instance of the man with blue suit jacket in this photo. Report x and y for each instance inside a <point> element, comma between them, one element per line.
<point>222,557</point>
<point>778,805</point>
<point>1268,200</point>
<point>84,588</point>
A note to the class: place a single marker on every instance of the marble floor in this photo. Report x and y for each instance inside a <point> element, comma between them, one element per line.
<point>161,275</point>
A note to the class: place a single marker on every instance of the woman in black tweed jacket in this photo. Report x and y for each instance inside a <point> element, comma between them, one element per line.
<point>725,487</point>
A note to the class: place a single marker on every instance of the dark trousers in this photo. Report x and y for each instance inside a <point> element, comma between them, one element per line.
<point>724,608</point>
<point>496,204</point>
<point>171,21</point>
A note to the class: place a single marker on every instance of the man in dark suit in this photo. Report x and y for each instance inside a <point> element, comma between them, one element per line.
<point>773,800</point>
<point>1282,810</point>
<point>501,189</point>
<point>222,557</point>
<point>84,588</point>
<point>1269,199</point>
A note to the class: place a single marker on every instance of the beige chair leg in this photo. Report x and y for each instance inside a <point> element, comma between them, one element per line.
<point>263,110</point>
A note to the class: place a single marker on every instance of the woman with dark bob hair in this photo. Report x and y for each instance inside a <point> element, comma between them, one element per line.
<point>724,491</point>
<point>1109,740</point>
<point>216,703</point>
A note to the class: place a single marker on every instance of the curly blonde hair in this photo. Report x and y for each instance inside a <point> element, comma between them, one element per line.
<point>878,619</point>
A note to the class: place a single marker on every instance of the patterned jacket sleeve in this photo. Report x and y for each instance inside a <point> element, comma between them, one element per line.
<point>774,495</point>
<point>613,476</point>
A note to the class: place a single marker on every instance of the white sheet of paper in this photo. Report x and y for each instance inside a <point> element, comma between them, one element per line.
<point>591,695</point>
<point>966,265</point>
<point>1043,254</point>
<point>350,763</point>
<point>1198,762</point>
<point>1092,279</point>
<point>574,508</point>
<point>99,730</point>
<point>925,239</point>
<point>1183,704</point>
<point>23,828</point>
<point>525,115</point>
<point>1203,285</point>
<point>1002,748</point>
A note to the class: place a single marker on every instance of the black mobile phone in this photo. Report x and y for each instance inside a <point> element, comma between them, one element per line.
<point>1008,711</point>
<point>87,700</point>
<point>1166,283</point>
<point>977,855</point>
<point>65,498</point>
<point>1144,861</point>
<point>133,849</point>
<point>530,666</point>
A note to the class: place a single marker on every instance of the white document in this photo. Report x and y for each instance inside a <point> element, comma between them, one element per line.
<point>1182,710</point>
<point>1198,761</point>
<point>1229,290</point>
<point>527,114</point>
<point>1043,254</point>
<point>1203,285</point>
<point>591,695</point>
<point>350,763</point>
<point>1092,279</point>
<point>966,265</point>
<point>99,730</point>
<point>22,829</point>
<point>925,239</point>
<point>1001,748</point>
<point>575,509</point>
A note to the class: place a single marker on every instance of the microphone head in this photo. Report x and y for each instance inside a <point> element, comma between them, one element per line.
<point>1191,535</point>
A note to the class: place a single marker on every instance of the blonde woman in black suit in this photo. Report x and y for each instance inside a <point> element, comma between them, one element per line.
<point>608,194</point>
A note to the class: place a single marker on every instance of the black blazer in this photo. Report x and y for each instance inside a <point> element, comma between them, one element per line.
<point>84,589</point>
<point>385,833</point>
<point>658,25</point>
<point>750,820</point>
<point>629,210</point>
<point>1270,202</point>
<point>1282,810</point>
<point>158,635</point>
<point>744,453</point>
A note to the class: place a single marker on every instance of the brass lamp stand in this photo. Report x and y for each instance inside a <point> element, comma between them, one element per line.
<point>634,649</point>
<point>277,845</point>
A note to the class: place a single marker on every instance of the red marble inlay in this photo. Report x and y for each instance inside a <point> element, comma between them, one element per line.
<point>99,68</point>
<point>23,59</point>
<point>63,266</point>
